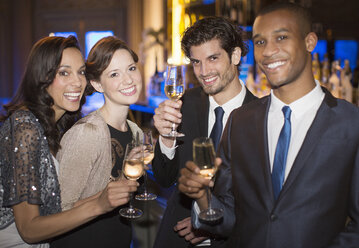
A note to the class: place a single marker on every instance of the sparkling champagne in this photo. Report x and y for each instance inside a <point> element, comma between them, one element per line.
<point>133,169</point>
<point>174,92</point>
<point>148,157</point>
<point>204,156</point>
<point>207,173</point>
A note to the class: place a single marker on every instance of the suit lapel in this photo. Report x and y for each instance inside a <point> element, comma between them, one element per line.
<point>263,154</point>
<point>316,130</point>
<point>249,97</point>
<point>203,114</point>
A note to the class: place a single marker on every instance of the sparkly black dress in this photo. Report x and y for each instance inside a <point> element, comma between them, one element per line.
<point>27,168</point>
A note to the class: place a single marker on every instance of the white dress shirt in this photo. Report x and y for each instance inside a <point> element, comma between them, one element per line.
<point>228,107</point>
<point>303,112</point>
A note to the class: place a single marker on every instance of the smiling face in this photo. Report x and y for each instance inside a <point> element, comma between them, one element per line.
<point>213,68</point>
<point>121,81</point>
<point>69,83</point>
<point>281,49</point>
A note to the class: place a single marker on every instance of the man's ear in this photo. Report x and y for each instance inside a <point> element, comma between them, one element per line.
<point>236,56</point>
<point>311,41</point>
<point>97,86</point>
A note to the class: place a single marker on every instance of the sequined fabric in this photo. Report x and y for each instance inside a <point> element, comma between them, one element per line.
<point>27,170</point>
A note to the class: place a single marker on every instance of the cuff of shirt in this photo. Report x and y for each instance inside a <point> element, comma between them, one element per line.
<point>168,151</point>
<point>195,212</point>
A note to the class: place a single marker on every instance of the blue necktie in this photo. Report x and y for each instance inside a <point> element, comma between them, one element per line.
<point>217,127</point>
<point>281,152</point>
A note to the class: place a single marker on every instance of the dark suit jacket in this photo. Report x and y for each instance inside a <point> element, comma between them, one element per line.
<point>320,193</point>
<point>194,124</point>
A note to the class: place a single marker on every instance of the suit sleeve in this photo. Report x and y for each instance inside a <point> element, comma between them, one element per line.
<point>350,236</point>
<point>222,196</point>
<point>165,170</point>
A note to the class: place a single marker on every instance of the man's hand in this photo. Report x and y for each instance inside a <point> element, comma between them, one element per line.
<point>193,184</point>
<point>184,229</point>
<point>167,113</point>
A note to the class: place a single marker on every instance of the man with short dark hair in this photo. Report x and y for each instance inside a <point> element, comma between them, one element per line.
<point>215,46</point>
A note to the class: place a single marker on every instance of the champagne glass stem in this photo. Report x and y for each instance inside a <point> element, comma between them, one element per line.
<point>209,197</point>
<point>145,182</point>
<point>173,127</point>
<point>130,206</point>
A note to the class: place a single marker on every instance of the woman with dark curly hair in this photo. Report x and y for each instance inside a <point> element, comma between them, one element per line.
<point>46,104</point>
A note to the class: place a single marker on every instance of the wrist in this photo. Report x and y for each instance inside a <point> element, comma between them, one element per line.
<point>168,141</point>
<point>96,207</point>
<point>202,202</point>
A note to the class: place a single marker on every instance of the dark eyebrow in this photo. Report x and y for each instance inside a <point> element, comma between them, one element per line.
<point>193,60</point>
<point>281,30</point>
<point>255,36</point>
<point>212,55</point>
<point>114,70</point>
<point>276,31</point>
<point>132,64</point>
<point>66,66</point>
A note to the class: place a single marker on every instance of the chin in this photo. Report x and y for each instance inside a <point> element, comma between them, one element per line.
<point>73,108</point>
<point>211,90</point>
<point>277,85</point>
<point>132,101</point>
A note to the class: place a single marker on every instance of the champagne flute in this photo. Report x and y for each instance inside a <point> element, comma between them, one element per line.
<point>148,156</point>
<point>174,88</point>
<point>204,157</point>
<point>132,169</point>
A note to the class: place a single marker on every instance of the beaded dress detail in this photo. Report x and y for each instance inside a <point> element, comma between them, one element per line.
<point>27,169</point>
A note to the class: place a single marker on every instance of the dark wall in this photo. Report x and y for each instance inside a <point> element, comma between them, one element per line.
<point>341,16</point>
<point>23,22</point>
<point>15,41</point>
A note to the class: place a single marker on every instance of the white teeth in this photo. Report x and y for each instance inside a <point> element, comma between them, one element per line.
<point>72,94</point>
<point>275,64</point>
<point>209,79</point>
<point>128,90</point>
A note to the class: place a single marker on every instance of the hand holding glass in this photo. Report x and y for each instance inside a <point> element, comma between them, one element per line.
<point>174,88</point>
<point>148,156</point>
<point>132,169</point>
<point>204,157</point>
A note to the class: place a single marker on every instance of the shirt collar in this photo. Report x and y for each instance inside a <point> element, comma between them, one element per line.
<point>232,104</point>
<point>301,105</point>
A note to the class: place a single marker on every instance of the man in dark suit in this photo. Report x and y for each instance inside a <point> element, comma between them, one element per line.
<point>290,161</point>
<point>214,46</point>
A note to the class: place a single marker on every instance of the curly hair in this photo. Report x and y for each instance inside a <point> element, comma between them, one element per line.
<point>204,30</point>
<point>42,65</point>
<point>100,57</point>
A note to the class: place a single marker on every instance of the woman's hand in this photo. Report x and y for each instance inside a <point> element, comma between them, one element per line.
<point>116,193</point>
